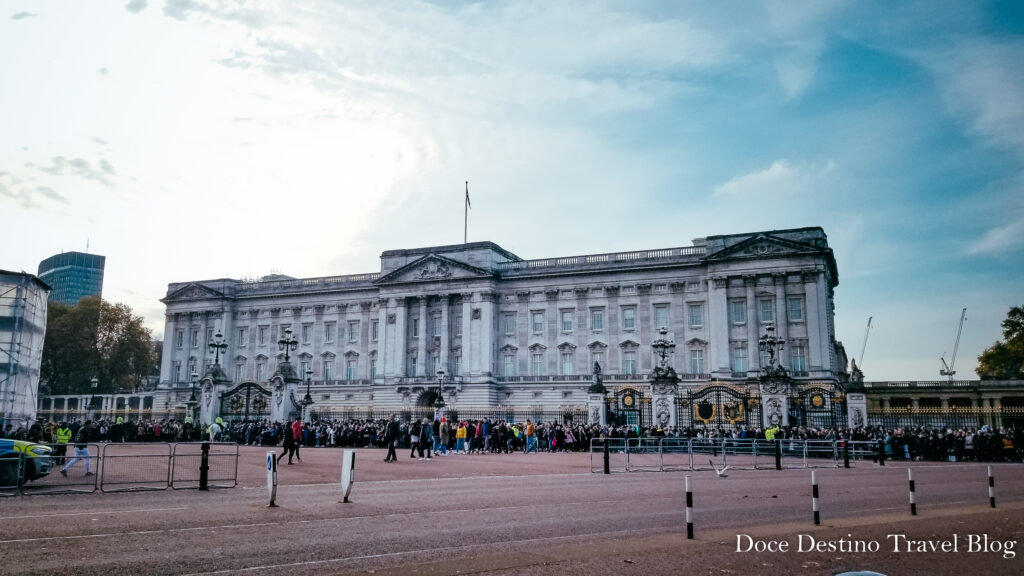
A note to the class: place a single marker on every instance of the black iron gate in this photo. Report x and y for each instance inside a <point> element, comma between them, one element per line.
<point>247,401</point>
<point>629,407</point>
<point>718,406</point>
<point>817,406</point>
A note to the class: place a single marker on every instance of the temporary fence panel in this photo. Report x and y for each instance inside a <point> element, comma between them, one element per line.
<point>738,452</point>
<point>76,480</point>
<point>616,454</point>
<point>130,467</point>
<point>675,454</point>
<point>643,454</point>
<point>188,457</point>
<point>862,450</point>
<point>12,470</point>
<point>822,454</point>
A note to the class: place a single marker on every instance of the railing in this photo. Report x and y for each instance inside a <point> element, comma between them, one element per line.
<point>325,281</point>
<point>570,261</point>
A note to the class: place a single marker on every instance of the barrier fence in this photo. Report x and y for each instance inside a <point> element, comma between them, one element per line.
<point>658,454</point>
<point>118,467</point>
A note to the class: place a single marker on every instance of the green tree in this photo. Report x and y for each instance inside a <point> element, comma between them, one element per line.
<point>1004,360</point>
<point>98,339</point>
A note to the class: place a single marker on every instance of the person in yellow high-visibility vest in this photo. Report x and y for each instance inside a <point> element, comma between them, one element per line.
<point>63,438</point>
<point>770,433</point>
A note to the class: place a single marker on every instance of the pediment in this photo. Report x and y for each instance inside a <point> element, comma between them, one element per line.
<point>764,245</point>
<point>193,291</point>
<point>696,343</point>
<point>629,344</point>
<point>433,268</point>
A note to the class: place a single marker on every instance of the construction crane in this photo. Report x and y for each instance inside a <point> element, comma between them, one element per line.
<point>947,369</point>
<point>865,344</point>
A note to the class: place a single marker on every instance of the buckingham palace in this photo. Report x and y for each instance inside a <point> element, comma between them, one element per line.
<point>513,334</point>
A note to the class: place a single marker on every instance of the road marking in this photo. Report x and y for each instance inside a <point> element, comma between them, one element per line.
<point>59,514</point>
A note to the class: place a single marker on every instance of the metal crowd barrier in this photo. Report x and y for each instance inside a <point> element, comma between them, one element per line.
<point>222,461</point>
<point>11,469</point>
<point>690,454</point>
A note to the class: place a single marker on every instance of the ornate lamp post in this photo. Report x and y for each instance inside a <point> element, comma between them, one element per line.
<point>194,378</point>
<point>775,382</point>
<point>309,380</point>
<point>772,345</point>
<point>94,384</point>
<point>287,343</point>
<point>217,346</point>
<point>663,381</point>
<point>439,403</point>
<point>663,347</point>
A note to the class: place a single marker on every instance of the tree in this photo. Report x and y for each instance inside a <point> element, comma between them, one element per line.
<point>95,338</point>
<point>1004,360</point>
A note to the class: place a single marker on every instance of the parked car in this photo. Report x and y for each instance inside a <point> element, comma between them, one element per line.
<point>38,462</point>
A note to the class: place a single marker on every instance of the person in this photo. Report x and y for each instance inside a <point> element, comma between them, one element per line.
<point>289,443</point>
<point>460,438</point>
<point>391,437</point>
<point>60,451</point>
<point>426,438</point>
<point>297,437</point>
<point>216,428</point>
<point>415,431</point>
<point>444,436</point>
<point>81,449</point>
<point>531,436</point>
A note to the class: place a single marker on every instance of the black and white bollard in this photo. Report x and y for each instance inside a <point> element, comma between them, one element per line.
<point>814,498</point>
<point>272,478</point>
<point>204,467</point>
<point>348,470</point>
<point>913,498</point>
<point>607,460</point>
<point>991,488</point>
<point>689,510</point>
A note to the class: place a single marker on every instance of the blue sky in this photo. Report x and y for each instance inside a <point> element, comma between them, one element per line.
<point>194,139</point>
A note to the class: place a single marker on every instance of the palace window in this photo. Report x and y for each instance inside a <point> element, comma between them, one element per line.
<point>696,315</point>
<point>457,365</point>
<point>795,306</point>
<point>307,333</point>
<point>243,336</point>
<point>597,319</point>
<point>373,368</point>
<point>767,311</point>
<point>739,358</point>
<point>629,362</point>
<point>597,358</point>
<point>328,369</point>
<point>350,369</point>
<point>239,372</point>
<point>567,367</point>
<point>566,320</point>
<point>509,365</point>
<point>697,361</point>
<point>261,371</point>
<point>537,364</point>
<point>177,371</point>
<point>262,335</point>
<point>415,327</point>
<point>738,311</point>
<point>353,330</point>
<point>194,340</point>
<point>628,318</point>
<point>329,332</point>
<point>458,323</point>
<point>509,321</point>
<point>179,337</point>
<point>798,358</point>
<point>373,329</point>
<point>538,322</point>
<point>660,316</point>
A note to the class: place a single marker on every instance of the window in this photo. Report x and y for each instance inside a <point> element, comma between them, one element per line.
<point>261,371</point>
<point>765,359</point>
<point>373,329</point>
<point>796,309</point>
<point>628,318</point>
<point>457,365</point>
<point>798,358</point>
<point>566,320</point>
<point>696,315</point>
<point>697,361</point>
<point>739,359</point>
<point>192,369</point>
<point>353,330</point>
<point>262,335</point>
<point>243,336</point>
<point>597,358</point>
<point>303,366</point>
<point>194,340</point>
<point>660,317</point>
<point>350,369</point>
<point>328,369</point>
<point>537,364</point>
<point>458,324</point>
<point>629,362</point>
<point>538,322</point>
<point>435,364</point>
<point>373,368</point>
<point>767,311</point>
<point>209,335</point>
<point>415,327</point>
<point>435,325</point>
<point>239,372</point>
<point>509,365</point>
<point>307,333</point>
<point>179,337</point>
<point>329,332</point>
<point>567,367</point>
<point>177,371</point>
<point>411,368</point>
<point>509,322</point>
<point>597,319</point>
<point>738,311</point>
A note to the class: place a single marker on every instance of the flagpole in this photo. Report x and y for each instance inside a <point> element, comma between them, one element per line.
<point>465,222</point>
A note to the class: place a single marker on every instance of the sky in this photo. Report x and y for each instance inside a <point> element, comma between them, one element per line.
<point>199,139</point>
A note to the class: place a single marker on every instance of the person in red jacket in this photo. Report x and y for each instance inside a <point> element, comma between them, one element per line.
<point>297,436</point>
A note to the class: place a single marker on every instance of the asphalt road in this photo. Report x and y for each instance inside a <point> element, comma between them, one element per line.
<point>516,514</point>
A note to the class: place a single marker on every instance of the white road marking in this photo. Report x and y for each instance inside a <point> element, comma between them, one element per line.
<point>59,514</point>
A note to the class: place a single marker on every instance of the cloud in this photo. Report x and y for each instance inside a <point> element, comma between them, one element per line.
<point>136,6</point>
<point>797,37</point>
<point>218,9</point>
<point>103,71</point>
<point>61,166</point>
<point>1000,239</point>
<point>781,179</point>
<point>24,193</point>
<point>23,15</point>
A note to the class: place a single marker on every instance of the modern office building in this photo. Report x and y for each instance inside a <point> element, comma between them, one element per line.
<point>73,276</point>
<point>527,334</point>
<point>22,331</point>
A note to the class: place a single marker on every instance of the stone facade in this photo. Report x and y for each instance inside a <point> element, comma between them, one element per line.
<point>514,332</point>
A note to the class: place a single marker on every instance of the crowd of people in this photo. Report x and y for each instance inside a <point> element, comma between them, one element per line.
<point>445,437</point>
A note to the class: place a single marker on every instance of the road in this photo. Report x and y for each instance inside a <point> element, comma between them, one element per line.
<point>516,514</point>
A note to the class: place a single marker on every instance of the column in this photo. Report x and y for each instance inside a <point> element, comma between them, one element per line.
<point>168,357</point>
<point>487,332</point>
<point>383,354</point>
<point>421,343</point>
<point>468,342</point>
<point>781,317</point>
<point>718,333</point>
<point>753,352</point>
<point>817,343</point>
<point>444,334</point>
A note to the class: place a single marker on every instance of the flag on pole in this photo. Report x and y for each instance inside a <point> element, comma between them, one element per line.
<point>468,205</point>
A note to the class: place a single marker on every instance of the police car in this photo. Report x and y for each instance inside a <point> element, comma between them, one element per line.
<point>36,457</point>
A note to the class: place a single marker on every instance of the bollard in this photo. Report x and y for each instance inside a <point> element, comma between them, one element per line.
<point>846,454</point>
<point>881,452</point>
<point>204,467</point>
<point>991,488</point>
<point>607,458</point>
<point>814,498</point>
<point>272,478</point>
<point>689,510</point>
<point>913,499</point>
<point>348,469</point>
<point>778,454</point>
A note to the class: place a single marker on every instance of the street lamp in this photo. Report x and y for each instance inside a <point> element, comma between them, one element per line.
<point>94,384</point>
<point>309,380</point>
<point>770,344</point>
<point>439,403</point>
<point>195,378</point>
<point>663,346</point>
<point>217,346</point>
<point>287,343</point>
